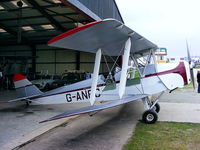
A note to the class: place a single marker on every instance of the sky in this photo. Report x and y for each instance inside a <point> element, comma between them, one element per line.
<point>167,23</point>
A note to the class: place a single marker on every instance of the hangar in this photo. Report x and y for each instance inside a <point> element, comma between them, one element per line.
<point>27,25</point>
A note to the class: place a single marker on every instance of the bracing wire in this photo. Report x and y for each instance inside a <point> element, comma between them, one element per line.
<point>115,61</point>
<point>106,63</point>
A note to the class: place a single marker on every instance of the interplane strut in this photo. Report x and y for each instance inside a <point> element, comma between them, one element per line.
<point>124,67</point>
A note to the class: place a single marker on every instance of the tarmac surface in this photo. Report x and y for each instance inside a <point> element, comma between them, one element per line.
<point>17,121</point>
<point>108,129</point>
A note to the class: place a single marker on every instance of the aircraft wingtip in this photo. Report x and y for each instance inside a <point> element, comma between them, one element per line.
<point>70,32</point>
<point>43,121</point>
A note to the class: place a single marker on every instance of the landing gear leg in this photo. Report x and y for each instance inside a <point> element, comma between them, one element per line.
<point>156,108</point>
<point>150,116</point>
<point>151,109</point>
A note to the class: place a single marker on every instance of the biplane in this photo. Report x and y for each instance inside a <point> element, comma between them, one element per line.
<point>138,78</point>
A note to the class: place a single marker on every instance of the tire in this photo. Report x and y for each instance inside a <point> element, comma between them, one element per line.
<point>149,116</point>
<point>156,107</point>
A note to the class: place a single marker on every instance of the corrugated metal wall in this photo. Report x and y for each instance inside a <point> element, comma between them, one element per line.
<point>103,8</point>
<point>50,60</point>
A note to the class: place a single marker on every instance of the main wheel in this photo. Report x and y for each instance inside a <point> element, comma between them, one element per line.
<point>149,116</point>
<point>156,107</point>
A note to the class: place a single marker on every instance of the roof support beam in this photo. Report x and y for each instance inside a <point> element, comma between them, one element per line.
<point>61,15</point>
<point>49,17</point>
<point>7,0</point>
<point>23,43</point>
<point>8,30</point>
<point>27,8</point>
<point>81,9</point>
<point>47,23</point>
<point>36,17</point>
<point>14,33</point>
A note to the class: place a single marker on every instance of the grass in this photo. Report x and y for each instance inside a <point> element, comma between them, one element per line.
<point>165,136</point>
<point>188,86</point>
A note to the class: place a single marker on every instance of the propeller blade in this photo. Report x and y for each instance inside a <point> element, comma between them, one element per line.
<point>190,67</point>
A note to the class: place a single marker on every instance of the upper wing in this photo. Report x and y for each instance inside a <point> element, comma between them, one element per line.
<point>109,35</point>
<point>96,107</point>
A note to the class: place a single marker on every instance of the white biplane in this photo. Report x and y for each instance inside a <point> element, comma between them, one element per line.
<point>133,82</point>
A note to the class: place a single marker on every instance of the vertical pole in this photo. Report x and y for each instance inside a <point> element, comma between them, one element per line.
<point>55,61</point>
<point>33,50</point>
<point>95,76</point>
<point>154,60</point>
<point>77,60</point>
<point>126,55</point>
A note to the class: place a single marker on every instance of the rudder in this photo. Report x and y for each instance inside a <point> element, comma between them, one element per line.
<point>24,87</point>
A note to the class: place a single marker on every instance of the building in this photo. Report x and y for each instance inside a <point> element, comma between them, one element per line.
<point>26,26</point>
<point>161,55</point>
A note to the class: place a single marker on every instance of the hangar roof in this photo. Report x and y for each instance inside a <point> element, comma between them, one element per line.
<point>37,21</point>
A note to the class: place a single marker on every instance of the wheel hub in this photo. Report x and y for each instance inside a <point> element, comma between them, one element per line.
<point>150,117</point>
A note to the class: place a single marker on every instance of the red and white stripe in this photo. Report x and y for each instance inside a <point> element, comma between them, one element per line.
<point>20,81</point>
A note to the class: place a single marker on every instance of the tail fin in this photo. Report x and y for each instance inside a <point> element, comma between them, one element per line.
<point>24,87</point>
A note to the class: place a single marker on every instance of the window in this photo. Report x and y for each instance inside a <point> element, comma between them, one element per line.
<point>56,1</point>
<point>2,30</point>
<point>1,8</point>
<point>47,26</point>
<point>27,28</point>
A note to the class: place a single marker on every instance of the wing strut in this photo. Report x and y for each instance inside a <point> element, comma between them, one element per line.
<point>95,76</point>
<point>126,55</point>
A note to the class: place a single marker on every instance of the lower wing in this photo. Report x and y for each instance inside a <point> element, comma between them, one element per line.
<point>96,107</point>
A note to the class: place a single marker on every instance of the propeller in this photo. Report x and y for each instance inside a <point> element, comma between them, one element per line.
<point>190,66</point>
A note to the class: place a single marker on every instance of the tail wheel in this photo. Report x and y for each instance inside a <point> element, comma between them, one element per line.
<point>156,108</point>
<point>28,103</point>
<point>149,116</point>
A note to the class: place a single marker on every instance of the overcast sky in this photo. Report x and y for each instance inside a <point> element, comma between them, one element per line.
<point>167,23</point>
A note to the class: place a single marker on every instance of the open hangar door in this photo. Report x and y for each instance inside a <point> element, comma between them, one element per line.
<point>27,25</point>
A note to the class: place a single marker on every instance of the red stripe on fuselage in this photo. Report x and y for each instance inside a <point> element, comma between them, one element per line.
<point>180,69</point>
<point>72,31</point>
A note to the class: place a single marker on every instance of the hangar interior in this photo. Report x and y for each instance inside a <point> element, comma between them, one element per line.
<point>27,25</point>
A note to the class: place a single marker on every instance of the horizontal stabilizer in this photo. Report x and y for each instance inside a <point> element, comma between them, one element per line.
<point>23,98</point>
<point>3,102</point>
<point>96,107</point>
